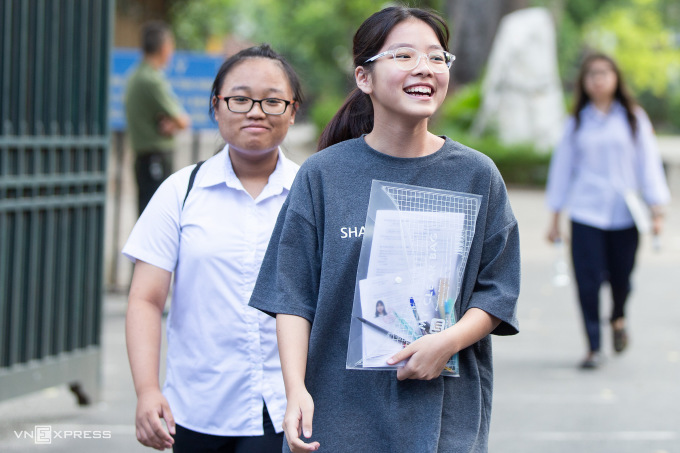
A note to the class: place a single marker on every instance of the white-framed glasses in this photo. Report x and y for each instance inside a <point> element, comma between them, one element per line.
<point>243,104</point>
<point>407,58</point>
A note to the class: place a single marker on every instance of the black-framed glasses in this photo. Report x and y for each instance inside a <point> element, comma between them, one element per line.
<point>244,104</point>
<point>407,58</point>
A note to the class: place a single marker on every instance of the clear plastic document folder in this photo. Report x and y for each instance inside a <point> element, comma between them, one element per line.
<point>412,260</point>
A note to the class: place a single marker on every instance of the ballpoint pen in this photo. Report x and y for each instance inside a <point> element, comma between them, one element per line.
<point>415,313</point>
<point>385,331</point>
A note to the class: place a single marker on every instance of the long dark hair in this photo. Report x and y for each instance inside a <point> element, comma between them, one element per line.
<point>262,51</point>
<point>355,117</point>
<point>621,93</point>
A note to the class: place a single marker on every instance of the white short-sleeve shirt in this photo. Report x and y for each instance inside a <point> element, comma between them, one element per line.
<point>222,357</point>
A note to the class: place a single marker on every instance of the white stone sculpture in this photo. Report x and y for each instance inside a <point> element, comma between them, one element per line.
<point>522,96</point>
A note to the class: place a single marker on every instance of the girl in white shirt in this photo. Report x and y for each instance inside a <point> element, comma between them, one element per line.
<point>223,388</point>
<point>608,149</point>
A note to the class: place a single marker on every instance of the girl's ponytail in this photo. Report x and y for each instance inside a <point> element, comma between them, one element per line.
<point>354,118</point>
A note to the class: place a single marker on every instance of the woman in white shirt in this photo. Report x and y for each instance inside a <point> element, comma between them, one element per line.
<point>608,150</point>
<point>223,389</point>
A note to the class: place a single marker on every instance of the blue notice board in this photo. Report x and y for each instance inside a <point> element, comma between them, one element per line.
<point>191,76</point>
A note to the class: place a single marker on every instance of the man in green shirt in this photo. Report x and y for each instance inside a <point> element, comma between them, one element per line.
<point>154,115</point>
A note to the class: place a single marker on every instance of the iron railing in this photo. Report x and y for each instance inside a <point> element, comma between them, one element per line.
<point>54,139</point>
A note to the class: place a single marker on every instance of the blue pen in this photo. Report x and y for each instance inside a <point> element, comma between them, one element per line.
<point>415,313</point>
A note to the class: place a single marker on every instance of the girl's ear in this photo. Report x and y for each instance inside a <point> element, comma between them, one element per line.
<point>363,79</point>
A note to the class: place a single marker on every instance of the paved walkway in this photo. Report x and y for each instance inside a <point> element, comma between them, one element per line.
<point>542,402</point>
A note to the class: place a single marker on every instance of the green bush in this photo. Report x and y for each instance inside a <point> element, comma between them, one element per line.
<point>461,107</point>
<point>323,109</point>
<point>674,111</point>
<point>520,165</point>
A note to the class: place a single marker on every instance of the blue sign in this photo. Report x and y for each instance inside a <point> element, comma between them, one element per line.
<point>191,76</point>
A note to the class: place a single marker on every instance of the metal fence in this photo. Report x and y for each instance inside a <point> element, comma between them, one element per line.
<point>54,64</point>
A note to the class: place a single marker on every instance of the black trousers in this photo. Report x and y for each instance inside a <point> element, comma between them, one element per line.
<point>151,169</point>
<point>188,441</point>
<point>599,256</point>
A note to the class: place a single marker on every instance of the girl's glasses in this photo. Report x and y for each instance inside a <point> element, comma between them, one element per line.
<point>407,58</point>
<point>244,104</point>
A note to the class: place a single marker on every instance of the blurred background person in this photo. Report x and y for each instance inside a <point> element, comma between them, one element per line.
<point>223,390</point>
<point>153,112</point>
<point>608,150</point>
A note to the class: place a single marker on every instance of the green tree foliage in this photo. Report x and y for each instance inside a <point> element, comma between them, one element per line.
<point>195,22</point>
<point>581,11</point>
<point>642,35</point>
<point>641,43</point>
<point>316,36</point>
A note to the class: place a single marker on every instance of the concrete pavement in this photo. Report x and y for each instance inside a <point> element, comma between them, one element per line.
<point>542,401</point>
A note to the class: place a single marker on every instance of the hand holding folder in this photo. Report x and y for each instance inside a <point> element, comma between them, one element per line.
<point>412,257</point>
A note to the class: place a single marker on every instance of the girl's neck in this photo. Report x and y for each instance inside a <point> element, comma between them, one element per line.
<point>603,105</point>
<point>253,171</point>
<point>401,140</point>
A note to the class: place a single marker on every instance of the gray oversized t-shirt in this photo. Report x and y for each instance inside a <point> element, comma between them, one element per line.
<point>309,270</point>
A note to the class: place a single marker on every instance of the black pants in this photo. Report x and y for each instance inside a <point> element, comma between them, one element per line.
<point>599,256</point>
<point>151,169</point>
<point>187,441</point>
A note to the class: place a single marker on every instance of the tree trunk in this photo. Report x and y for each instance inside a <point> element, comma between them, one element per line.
<point>474,28</point>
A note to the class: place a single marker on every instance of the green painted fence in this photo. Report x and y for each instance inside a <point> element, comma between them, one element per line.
<point>54,139</point>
